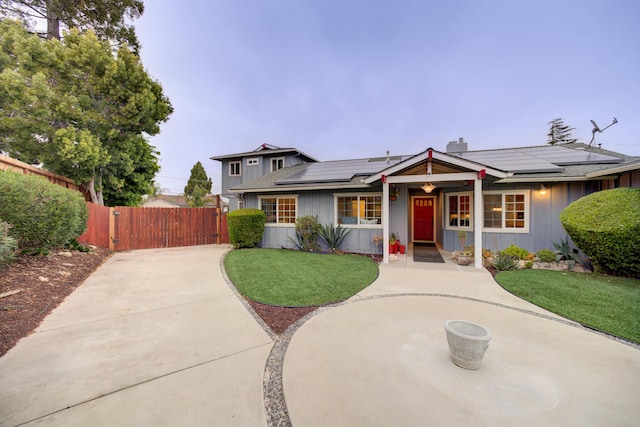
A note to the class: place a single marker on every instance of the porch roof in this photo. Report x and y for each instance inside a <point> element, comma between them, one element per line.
<point>440,157</point>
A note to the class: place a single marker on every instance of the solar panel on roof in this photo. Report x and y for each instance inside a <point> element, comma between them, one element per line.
<point>537,159</point>
<point>336,171</point>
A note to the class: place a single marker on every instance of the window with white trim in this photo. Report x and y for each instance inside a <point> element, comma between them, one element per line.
<point>279,210</point>
<point>459,211</point>
<point>277,163</point>
<point>506,211</point>
<point>253,161</point>
<point>359,209</point>
<point>235,168</point>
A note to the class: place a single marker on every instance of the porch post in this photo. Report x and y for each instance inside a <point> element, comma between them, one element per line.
<point>477,222</point>
<point>385,220</point>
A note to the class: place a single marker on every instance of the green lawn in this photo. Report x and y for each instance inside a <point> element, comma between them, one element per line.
<point>295,279</point>
<point>611,304</point>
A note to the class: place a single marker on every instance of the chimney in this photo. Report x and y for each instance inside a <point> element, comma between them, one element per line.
<point>455,147</point>
<point>388,159</point>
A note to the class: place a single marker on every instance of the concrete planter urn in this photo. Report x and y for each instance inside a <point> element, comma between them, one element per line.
<point>468,342</point>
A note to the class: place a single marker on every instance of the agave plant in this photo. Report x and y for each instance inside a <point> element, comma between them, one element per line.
<point>565,252</point>
<point>504,262</point>
<point>333,236</point>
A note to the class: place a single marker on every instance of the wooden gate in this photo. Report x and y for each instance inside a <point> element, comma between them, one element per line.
<point>127,228</point>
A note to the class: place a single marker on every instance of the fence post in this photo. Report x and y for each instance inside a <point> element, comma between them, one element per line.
<point>112,228</point>
<point>218,225</point>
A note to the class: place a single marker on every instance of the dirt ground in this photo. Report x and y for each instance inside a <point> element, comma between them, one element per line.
<point>43,282</point>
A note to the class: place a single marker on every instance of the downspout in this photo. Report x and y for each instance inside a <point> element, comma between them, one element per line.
<point>385,220</point>
<point>477,219</point>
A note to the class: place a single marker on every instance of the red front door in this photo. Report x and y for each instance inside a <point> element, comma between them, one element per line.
<point>423,218</point>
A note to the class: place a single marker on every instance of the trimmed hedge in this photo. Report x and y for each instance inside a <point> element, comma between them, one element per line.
<point>42,215</point>
<point>246,227</point>
<point>606,227</point>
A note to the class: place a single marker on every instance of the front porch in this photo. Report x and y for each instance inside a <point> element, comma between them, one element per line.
<point>424,173</point>
<point>404,261</point>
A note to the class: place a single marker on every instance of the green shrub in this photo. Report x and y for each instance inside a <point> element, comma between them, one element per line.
<point>605,225</point>
<point>546,255</point>
<point>516,252</point>
<point>333,236</point>
<point>246,227</point>
<point>307,231</point>
<point>8,245</point>
<point>42,215</point>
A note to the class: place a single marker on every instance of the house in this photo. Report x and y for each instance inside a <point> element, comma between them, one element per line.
<point>179,201</point>
<point>514,196</point>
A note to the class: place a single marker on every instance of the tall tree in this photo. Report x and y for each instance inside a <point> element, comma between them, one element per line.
<point>198,186</point>
<point>82,110</point>
<point>559,133</point>
<point>107,18</point>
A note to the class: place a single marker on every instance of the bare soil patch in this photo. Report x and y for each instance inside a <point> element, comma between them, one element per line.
<point>43,283</point>
<point>279,318</point>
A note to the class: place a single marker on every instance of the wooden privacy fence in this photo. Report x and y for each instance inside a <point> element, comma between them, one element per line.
<point>11,164</point>
<point>127,228</point>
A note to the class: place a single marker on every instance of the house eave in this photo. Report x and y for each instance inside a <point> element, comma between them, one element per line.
<point>295,188</point>
<point>266,152</point>
<point>621,169</point>
<point>516,180</point>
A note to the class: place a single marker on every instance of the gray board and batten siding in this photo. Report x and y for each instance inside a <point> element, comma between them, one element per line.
<point>319,203</point>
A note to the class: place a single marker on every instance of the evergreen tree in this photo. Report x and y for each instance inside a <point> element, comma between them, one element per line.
<point>82,110</point>
<point>198,186</point>
<point>559,133</point>
<point>107,18</point>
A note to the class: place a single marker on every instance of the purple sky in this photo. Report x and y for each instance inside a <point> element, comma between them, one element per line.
<point>352,79</point>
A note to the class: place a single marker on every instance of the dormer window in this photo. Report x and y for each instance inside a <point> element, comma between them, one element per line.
<point>235,169</point>
<point>277,163</point>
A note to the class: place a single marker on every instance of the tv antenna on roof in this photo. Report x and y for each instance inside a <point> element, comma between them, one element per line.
<point>597,129</point>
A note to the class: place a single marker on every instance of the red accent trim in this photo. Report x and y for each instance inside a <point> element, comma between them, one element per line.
<point>430,154</point>
<point>482,173</point>
<point>383,178</point>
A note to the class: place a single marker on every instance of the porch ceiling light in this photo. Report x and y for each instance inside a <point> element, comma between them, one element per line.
<point>428,187</point>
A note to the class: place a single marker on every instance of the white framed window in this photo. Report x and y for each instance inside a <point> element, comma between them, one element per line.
<point>459,209</point>
<point>235,168</point>
<point>240,204</point>
<point>253,161</point>
<point>355,209</point>
<point>282,210</point>
<point>277,163</point>
<point>506,211</point>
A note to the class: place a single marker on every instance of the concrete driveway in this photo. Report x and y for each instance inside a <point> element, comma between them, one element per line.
<point>157,337</point>
<point>154,337</point>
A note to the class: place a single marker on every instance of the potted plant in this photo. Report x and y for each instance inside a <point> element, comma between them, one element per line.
<point>393,243</point>
<point>462,238</point>
<point>394,193</point>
